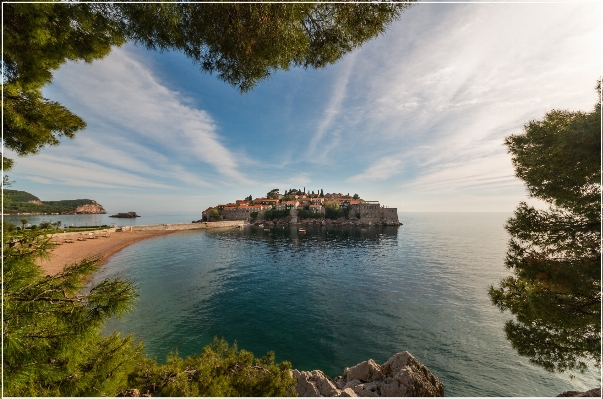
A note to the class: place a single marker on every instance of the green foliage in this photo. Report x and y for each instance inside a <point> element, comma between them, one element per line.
<point>246,43</point>
<point>555,254</point>
<point>356,197</point>
<point>249,198</point>
<point>334,211</point>
<point>52,340</point>
<point>8,226</point>
<point>274,214</point>
<point>39,38</point>
<point>19,196</point>
<point>220,370</point>
<point>45,225</point>
<point>273,194</point>
<point>253,215</point>
<point>214,214</point>
<point>306,214</point>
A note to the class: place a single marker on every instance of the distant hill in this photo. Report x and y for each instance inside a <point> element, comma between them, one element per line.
<point>17,202</point>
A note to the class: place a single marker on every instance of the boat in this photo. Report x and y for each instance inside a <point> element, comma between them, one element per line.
<point>266,229</point>
<point>302,231</point>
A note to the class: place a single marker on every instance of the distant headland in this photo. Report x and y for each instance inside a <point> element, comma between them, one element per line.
<point>23,203</point>
<point>298,207</point>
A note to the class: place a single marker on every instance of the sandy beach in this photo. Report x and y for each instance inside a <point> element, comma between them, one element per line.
<point>69,253</point>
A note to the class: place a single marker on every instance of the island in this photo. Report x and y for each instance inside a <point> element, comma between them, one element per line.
<point>298,207</point>
<point>18,202</point>
<point>125,215</point>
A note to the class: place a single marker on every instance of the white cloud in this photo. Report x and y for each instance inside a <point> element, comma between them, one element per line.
<point>318,146</point>
<point>382,169</point>
<point>121,91</point>
<point>79,173</point>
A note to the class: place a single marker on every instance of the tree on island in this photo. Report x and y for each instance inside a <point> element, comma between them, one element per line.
<point>273,194</point>
<point>23,223</point>
<point>242,43</point>
<point>555,254</point>
<point>356,197</point>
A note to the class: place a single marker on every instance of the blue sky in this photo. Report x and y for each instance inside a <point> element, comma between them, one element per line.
<point>416,118</point>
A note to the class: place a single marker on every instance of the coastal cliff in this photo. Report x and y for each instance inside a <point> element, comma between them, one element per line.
<point>402,375</point>
<point>23,203</point>
<point>91,208</point>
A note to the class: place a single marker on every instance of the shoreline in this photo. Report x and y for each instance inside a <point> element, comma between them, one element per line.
<point>104,248</point>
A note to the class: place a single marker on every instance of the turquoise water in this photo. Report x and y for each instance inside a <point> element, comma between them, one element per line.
<point>334,297</point>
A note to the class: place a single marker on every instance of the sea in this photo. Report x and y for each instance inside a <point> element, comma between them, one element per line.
<point>332,297</point>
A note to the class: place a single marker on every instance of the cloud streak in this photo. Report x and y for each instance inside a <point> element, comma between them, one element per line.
<point>128,96</point>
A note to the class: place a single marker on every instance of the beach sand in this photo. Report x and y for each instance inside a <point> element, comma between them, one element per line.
<point>70,253</point>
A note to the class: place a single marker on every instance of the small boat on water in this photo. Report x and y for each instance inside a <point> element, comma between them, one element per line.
<point>266,229</point>
<point>302,231</point>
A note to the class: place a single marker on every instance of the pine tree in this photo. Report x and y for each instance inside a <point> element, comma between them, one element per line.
<point>555,254</point>
<point>52,340</point>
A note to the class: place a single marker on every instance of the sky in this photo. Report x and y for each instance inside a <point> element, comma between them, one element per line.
<point>416,118</point>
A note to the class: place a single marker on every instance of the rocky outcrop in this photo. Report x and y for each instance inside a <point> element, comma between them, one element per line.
<point>325,222</point>
<point>591,393</point>
<point>401,375</point>
<point>91,208</point>
<point>125,215</point>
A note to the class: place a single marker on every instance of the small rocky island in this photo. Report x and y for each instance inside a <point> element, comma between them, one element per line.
<point>298,207</point>
<point>125,215</point>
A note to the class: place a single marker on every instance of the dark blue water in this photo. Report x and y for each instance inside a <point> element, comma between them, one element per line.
<point>334,297</point>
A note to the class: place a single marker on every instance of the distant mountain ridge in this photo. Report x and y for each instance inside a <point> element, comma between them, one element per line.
<point>22,202</point>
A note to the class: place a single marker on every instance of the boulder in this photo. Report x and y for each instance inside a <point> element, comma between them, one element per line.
<point>595,392</point>
<point>365,371</point>
<point>314,383</point>
<point>348,392</point>
<point>402,375</point>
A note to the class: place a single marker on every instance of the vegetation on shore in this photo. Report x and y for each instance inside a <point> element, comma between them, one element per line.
<point>18,202</point>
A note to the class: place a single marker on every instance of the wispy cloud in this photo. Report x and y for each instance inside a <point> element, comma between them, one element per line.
<point>382,169</point>
<point>318,146</point>
<point>123,92</point>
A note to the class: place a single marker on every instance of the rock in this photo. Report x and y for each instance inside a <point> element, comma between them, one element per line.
<point>365,371</point>
<point>125,215</point>
<point>348,392</point>
<point>595,392</point>
<point>411,378</point>
<point>401,375</point>
<point>313,383</point>
<point>367,390</point>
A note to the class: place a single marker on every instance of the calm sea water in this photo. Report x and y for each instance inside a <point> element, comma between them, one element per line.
<point>104,219</point>
<point>332,298</point>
